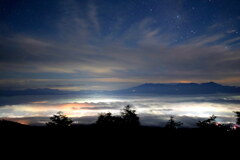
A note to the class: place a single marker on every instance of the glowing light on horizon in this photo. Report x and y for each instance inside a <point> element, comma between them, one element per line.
<point>75,109</point>
<point>155,106</point>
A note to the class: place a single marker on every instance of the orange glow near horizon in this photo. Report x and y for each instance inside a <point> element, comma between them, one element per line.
<point>69,109</point>
<point>39,102</point>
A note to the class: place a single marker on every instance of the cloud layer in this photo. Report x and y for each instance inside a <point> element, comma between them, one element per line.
<point>153,111</point>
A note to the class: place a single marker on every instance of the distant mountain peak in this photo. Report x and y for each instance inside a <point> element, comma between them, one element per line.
<point>211,83</point>
<point>206,83</point>
<point>180,88</point>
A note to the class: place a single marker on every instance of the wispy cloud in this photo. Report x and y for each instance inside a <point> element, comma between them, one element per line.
<point>93,17</point>
<point>142,52</point>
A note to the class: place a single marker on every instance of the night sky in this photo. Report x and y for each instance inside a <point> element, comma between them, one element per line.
<point>113,44</point>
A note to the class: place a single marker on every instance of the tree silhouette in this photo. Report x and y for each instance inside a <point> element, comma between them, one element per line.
<point>238,117</point>
<point>107,120</point>
<point>129,117</point>
<point>59,120</point>
<point>209,123</point>
<point>172,124</point>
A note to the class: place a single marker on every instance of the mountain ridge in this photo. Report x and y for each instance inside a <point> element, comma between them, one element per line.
<point>146,88</point>
<point>182,88</point>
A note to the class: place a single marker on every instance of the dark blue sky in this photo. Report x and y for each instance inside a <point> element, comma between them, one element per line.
<point>110,44</point>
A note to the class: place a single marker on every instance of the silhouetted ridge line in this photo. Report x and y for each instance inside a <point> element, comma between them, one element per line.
<point>147,88</point>
<point>181,88</point>
<point>11,124</point>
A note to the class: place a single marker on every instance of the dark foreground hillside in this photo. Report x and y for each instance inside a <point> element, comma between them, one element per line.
<point>91,133</point>
<point>96,143</point>
<point>119,135</point>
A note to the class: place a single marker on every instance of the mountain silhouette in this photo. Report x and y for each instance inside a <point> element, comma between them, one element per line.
<point>147,88</point>
<point>11,124</point>
<point>180,88</point>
